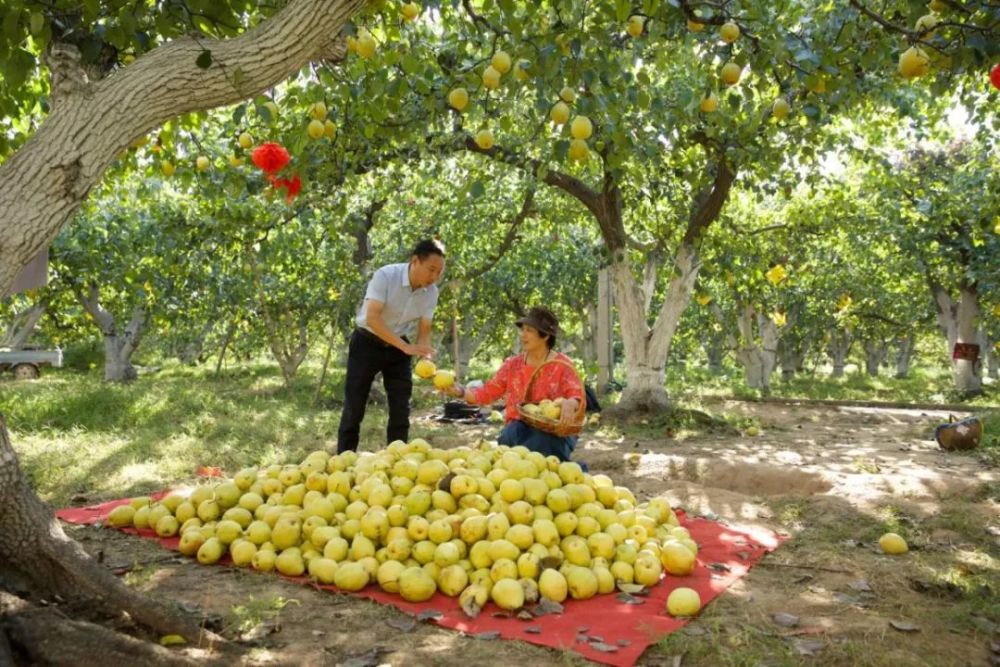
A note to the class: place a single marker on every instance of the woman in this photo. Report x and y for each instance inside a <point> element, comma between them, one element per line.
<point>556,380</point>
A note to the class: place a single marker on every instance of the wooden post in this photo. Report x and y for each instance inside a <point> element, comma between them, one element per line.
<point>605,354</point>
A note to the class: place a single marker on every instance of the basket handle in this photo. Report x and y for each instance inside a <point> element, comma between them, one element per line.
<point>581,401</point>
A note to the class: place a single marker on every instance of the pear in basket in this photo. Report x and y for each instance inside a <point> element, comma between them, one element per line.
<point>552,411</point>
<point>531,409</point>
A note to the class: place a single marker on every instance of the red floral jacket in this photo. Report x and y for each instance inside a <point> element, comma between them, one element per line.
<point>554,381</point>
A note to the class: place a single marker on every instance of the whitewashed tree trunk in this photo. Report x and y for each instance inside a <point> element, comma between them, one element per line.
<point>22,326</point>
<point>119,344</point>
<point>904,353</point>
<point>876,350</point>
<point>93,122</point>
<point>756,350</point>
<point>960,323</point>
<point>647,349</point>
<point>838,347</point>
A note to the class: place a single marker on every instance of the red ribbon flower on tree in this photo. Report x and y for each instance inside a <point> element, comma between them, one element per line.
<point>270,158</point>
<point>995,76</point>
<point>292,187</point>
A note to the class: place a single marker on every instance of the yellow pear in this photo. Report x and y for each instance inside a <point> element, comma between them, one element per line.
<point>559,114</point>
<point>578,151</point>
<point>508,594</point>
<point>121,516</point>
<point>501,62</point>
<point>567,95</point>
<point>709,103</point>
<point>636,26</point>
<point>780,108</point>
<point>729,32</point>
<point>458,98</point>
<point>914,63</point>
<point>415,585</point>
<point>892,544</point>
<point>245,140</point>
<point>683,602</point>
<point>365,45</point>
<point>410,11</point>
<point>491,78</point>
<point>581,128</point>
<point>731,73</point>
<point>552,585</point>
<point>315,129</point>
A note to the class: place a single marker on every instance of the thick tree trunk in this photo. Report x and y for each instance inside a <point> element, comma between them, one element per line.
<point>119,346</point>
<point>838,347</point>
<point>37,554</point>
<point>960,323</point>
<point>715,348</point>
<point>791,355</point>
<point>904,353</point>
<point>22,326</point>
<point>756,352</point>
<point>93,122</point>
<point>875,353</point>
<point>646,350</point>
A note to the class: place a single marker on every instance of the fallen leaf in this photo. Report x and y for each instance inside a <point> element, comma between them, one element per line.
<point>547,606</point>
<point>808,646</point>
<point>429,615</point>
<point>603,648</point>
<point>904,626</point>
<point>404,624</point>
<point>582,628</point>
<point>493,634</point>
<point>630,599</point>
<point>743,555</point>
<point>525,615</point>
<point>785,620</point>
<point>719,567</point>
<point>370,658</point>
<point>809,630</point>
<point>632,589</point>
<point>623,642</point>
<point>597,638</point>
<point>533,629</point>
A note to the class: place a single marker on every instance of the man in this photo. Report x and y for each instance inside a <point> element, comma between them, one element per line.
<point>399,298</point>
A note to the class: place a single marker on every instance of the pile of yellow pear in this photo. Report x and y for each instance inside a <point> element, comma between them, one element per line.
<point>481,522</point>
<point>546,409</point>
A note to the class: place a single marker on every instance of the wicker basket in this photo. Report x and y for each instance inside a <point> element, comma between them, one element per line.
<point>550,425</point>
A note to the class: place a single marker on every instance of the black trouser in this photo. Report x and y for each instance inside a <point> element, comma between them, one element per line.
<point>367,356</point>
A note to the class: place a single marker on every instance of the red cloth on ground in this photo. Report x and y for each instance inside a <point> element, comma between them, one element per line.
<point>554,381</point>
<point>725,555</point>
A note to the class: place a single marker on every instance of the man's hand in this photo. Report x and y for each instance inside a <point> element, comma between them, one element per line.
<point>425,351</point>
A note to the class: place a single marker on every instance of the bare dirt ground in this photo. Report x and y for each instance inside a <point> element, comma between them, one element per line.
<point>832,479</point>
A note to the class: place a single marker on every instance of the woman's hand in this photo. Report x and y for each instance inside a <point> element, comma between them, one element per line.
<point>455,391</point>
<point>568,414</point>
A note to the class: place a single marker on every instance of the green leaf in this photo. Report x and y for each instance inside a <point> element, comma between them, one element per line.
<point>623,9</point>
<point>477,189</point>
<point>204,60</point>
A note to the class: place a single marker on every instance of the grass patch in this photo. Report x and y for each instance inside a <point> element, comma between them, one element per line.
<point>76,434</point>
